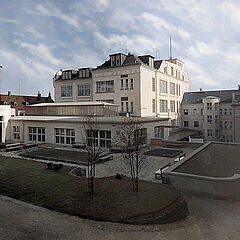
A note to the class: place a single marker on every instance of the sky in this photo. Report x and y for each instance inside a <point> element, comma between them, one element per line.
<point>37,38</point>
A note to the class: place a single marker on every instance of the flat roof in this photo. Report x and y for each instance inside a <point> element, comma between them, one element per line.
<point>117,119</point>
<point>215,159</point>
<point>56,104</point>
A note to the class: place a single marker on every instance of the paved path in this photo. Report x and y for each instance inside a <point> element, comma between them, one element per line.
<point>209,220</point>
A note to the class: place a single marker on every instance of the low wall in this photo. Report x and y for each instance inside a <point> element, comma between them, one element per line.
<point>219,188</point>
<point>160,142</point>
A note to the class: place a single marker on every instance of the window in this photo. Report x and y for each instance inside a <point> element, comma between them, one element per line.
<point>185,124</point>
<point>209,133</point>
<point>163,105</point>
<point>221,124</point>
<point>66,91</point>
<point>131,84</point>
<point>220,111</point>
<point>64,135</point>
<point>153,84</point>
<point>153,105</point>
<point>216,118</point>
<point>141,135</point>
<point>16,132</point>
<point>216,106</point>
<point>122,87</point>
<point>99,138</point>
<point>185,111</point>
<point>127,110</point>
<point>66,75</point>
<point>225,111</point>
<point>209,118</point>
<point>194,111</point>
<point>158,132</point>
<point>165,70</point>
<point>105,86</point>
<point>225,125</point>
<point>122,107</point>
<point>172,88</point>
<point>131,107</point>
<point>126,84</point>
<point>172,73</point>
<point>209,106</point>
<point>177,89</point>
<point>230,125</point>
<point>36,134</point>
<point>83,73</point>
<point>163,86</point>
<point>230,111</point>
<point>84,90</point>
<point>183,77</point>
<point>216,133</point>
<point>196,123</point>
<point>172,106</point>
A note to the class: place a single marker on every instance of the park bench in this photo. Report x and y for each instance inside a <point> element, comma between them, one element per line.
<point>13,146</point>
<point>106,157</point>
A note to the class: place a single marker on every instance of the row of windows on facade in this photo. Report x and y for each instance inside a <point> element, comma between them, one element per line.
<point>126,108</point>
<point>83,73</point>
<point>174,89</point>
<point>223,124</point>
<point>101,138</point>
<point>163,105</point>
<point>108,86</point>
<point>177,73</point>
<point>200,111</point>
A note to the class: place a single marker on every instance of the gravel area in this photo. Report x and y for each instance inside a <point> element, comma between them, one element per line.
<point>209,219</point>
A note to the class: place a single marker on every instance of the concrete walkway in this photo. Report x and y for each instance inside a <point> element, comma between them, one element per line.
<point>209,220</point>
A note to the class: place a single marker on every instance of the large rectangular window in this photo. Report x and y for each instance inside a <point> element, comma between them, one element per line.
<point>153,106</point>
<point>172,88</point>
<point>163,105</point>
<point>84,90</point>
<point>131,84</point>
<point>36,134</point>
<point>66,91</point>
<point>209,106</point>
<point>141,135</point>
<point>64,135</point>
<point>172,106</point>
<point>105,86</point>
<point>196,123</point>
<point>153,85</point>
<point>16,132</point>
<point>209,118</point>
<point>163,86</point>
<point>67,75</point>
<point>99,138</point>
<point>158,132</point>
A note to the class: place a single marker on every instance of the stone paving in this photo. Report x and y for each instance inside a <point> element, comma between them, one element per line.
<point>208,220</point>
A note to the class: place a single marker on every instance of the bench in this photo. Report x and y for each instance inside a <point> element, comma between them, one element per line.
<point>106,158</point>
<point>13,146</point>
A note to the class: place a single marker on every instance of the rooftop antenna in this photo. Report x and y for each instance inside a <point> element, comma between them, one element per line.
<point>170,47</point>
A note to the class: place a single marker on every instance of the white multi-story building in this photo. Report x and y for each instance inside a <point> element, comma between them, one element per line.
<point>139,85</point>
<point>215,113</point>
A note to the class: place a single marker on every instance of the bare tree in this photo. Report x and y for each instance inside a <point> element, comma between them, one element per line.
<point>94,149</point>
<point>132,139</point>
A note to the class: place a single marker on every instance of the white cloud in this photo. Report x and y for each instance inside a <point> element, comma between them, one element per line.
<point>41,51</point>
<point>31,29</point>
<point>202,49</point>
<point>53,11</point>
<point>8,20</point>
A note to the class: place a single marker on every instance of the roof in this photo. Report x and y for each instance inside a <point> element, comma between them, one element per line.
<point>117,119</point>
<point>226,96</point>
<point>56,104</point>
<point>157,64</point>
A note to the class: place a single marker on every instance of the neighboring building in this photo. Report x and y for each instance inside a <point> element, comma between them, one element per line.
<point>65,123</point>
<point>19,102</point>
<point>140,85</point>
<point>215,113</point>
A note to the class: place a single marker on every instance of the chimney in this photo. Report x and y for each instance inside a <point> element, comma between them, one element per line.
<point>49,95</point>
<point>238,87</point>
<point>39,95</point>
<point>9,93</point>
<point>200,89</point>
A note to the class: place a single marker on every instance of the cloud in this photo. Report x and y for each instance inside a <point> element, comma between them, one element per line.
<point>34,33</point>
<point>41,51</point>
<point>8,20</point>
<point>53,11</point>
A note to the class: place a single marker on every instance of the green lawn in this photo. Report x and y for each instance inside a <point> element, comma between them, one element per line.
<point>113,199</point>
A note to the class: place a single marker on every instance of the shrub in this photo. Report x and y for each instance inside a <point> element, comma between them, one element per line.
<point>49,165</point>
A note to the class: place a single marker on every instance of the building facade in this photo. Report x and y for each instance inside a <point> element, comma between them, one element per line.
<point>215,113</point>
<point>139,85</point>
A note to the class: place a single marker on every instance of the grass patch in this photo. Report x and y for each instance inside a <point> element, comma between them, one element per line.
<point>113,200</point>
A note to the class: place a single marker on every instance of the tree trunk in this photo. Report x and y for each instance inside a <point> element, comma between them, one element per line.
<point>92,187</point>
